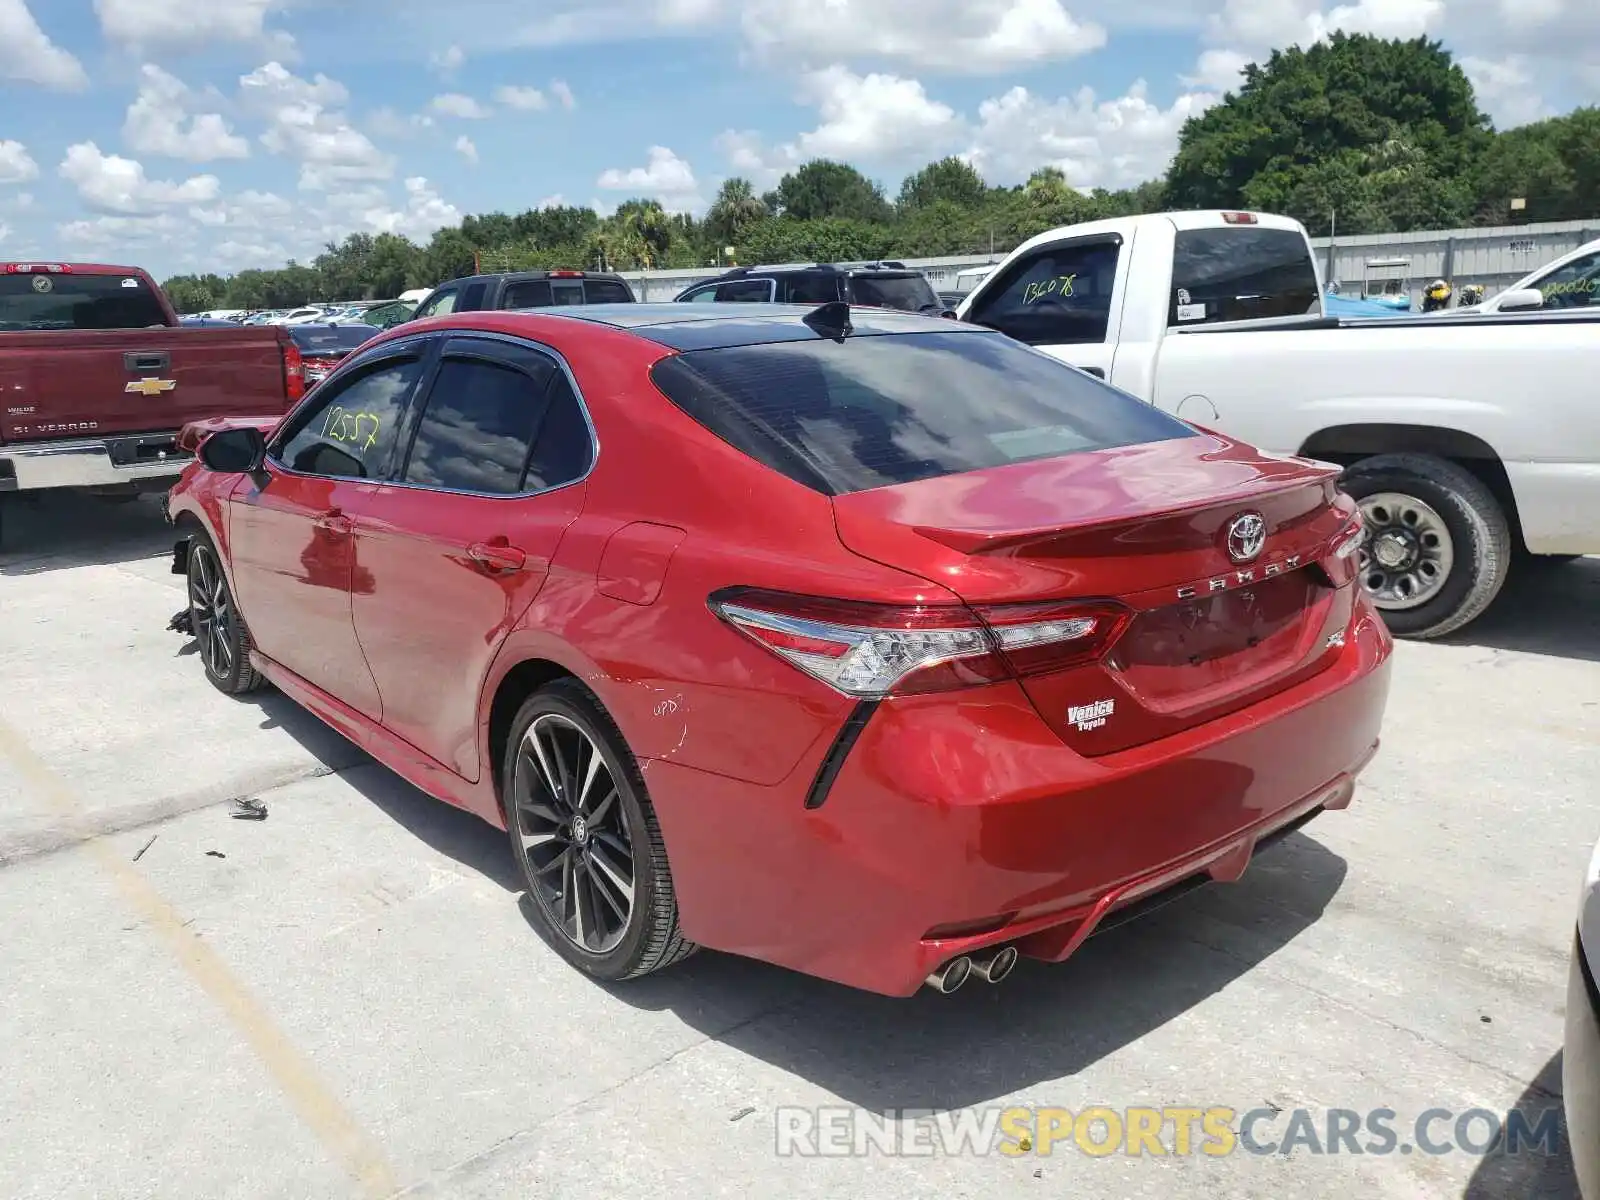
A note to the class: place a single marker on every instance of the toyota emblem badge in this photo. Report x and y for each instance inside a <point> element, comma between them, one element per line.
<point>1247,534</point>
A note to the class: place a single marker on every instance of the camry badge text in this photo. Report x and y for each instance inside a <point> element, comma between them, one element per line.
<point>1238,578</point>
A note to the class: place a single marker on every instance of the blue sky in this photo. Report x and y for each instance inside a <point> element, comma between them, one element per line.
<point>223,134</point>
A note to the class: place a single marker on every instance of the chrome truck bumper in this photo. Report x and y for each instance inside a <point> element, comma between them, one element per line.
<point>90,462</point>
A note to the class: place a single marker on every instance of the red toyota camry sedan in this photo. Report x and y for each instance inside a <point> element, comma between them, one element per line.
<point>880,647</point>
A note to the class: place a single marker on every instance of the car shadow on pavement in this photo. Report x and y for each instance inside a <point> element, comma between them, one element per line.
<point>931,1051</point>
<point>461,836</point>
<point>1045,1022</point>
<point>1530,1173</point>
<point>40,533</point>
<point>1543,609</point>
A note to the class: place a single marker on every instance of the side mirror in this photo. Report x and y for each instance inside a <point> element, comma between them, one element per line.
<point>1521,300</point>
<point>949,314</point>
<point>234,451</point>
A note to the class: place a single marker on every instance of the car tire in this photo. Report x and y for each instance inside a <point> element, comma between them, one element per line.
<point>1443,498</point>
<point>218,627</point>
<point>578,876</point>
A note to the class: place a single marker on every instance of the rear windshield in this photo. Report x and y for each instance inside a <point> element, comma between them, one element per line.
<point>330,339</point>
<point>884,409</point>
<point>1240,274</point>
<point>40,301</point>
<point>913,293</point>
<point>607,291</point>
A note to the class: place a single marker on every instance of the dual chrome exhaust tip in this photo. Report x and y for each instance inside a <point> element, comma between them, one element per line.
<point>991,967</point>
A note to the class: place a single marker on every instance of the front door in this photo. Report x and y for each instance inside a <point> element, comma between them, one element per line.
<point>458,546</point>
<point>1062,298</point>
<point>293,558</point>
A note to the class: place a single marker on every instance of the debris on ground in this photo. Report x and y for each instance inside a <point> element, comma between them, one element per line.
<point>249,810</point>
<point>215,854</point>
<point>146,846</point>
<point>182,622</point>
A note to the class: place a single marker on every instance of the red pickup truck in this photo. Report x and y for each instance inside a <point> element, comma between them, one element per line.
<point>97,377</point>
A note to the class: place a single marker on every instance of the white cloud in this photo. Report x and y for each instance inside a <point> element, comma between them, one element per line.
<point>425,212</point>
<point>448,61</point>
<point>158,123</point>
<point>156,25</point>
<point>386,122</point>
<point>454,104</point>
<point>304,123</point>
<point>1508,90</point>
<point>28,56</point>
<point>964,36</point>
<point>1218,71</point>
<point>563,93</point>
<point>524,99</point>
<point>1096,143</point>
<point>466,148</point>
<point>110,183</point>
<point>556,201</point>
<point>16,164</point>
<point>666,177</point>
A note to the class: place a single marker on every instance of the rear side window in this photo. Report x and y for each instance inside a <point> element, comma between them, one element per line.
<point>1239,274</point>
<point>527,293</point>
<point>746,291</point>
<point>564,449</point>
<point>912,293</point>
<point>804,288</point>
<point>43,301</point>
<point>1057,296</point>
<point>607,291</point>
<point>895,408</point>
<point>478,428</point>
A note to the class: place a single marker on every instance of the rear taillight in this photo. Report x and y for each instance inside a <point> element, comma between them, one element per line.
<point>294,372</point>
<point>1342,562</point>
<point>873,650</point>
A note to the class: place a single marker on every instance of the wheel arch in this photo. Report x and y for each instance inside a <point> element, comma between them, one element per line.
<point>1348,444</point>
<point>516,677</point>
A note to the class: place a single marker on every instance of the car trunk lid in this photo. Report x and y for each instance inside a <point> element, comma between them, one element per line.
<point>1149,527</point>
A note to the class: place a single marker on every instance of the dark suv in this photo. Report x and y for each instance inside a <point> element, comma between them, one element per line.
<point>877,284</point>
<point>524,289</point>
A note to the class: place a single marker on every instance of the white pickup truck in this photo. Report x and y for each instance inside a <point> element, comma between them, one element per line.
<point>1469,441</point>
<point>1571,281</point>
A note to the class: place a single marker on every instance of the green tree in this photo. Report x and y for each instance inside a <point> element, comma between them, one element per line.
<point>1553,165</point>
<point>951,180</point>
<point>1306,108</point>
<point>834,239</point>
<point>823,188</point>
<point>733,213</point>
<point>191,294</point>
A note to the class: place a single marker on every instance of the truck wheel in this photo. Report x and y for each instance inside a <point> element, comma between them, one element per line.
<point>1438,544</point>
<point>217,624</point>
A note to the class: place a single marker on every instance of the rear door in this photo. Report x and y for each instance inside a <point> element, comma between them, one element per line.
<point>1063,298</point>
<point>458,545</point>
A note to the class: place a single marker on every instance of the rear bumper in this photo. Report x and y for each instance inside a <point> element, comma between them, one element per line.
<point>956,826</point>
<point>91,462</point>
<point>1580,1071</point>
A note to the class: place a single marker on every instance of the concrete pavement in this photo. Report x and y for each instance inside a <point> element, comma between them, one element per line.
<point>347,999</point>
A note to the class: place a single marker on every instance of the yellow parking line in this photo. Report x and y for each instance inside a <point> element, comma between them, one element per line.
<point>316,1105</point>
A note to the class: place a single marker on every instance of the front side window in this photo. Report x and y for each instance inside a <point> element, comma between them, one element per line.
<point>1056,296</point>
<point>705,295</point>
<point>472,297</point>
<point>479,425</point>
<point>444,302</point>
<point>1574,285</point>
<point>877,410</point>
<point>351,432</point>
<point>1240,273</point>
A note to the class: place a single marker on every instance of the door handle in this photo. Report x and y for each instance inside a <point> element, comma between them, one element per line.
<point>333,521</point>
<point>1097,372</point>
<point>497,557</point>
<point>146,360</point>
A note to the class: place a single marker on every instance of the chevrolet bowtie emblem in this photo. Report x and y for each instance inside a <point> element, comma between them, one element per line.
<point>150,386</point>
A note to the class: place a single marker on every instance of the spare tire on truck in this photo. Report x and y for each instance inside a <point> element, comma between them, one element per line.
<point>1438,543</point>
